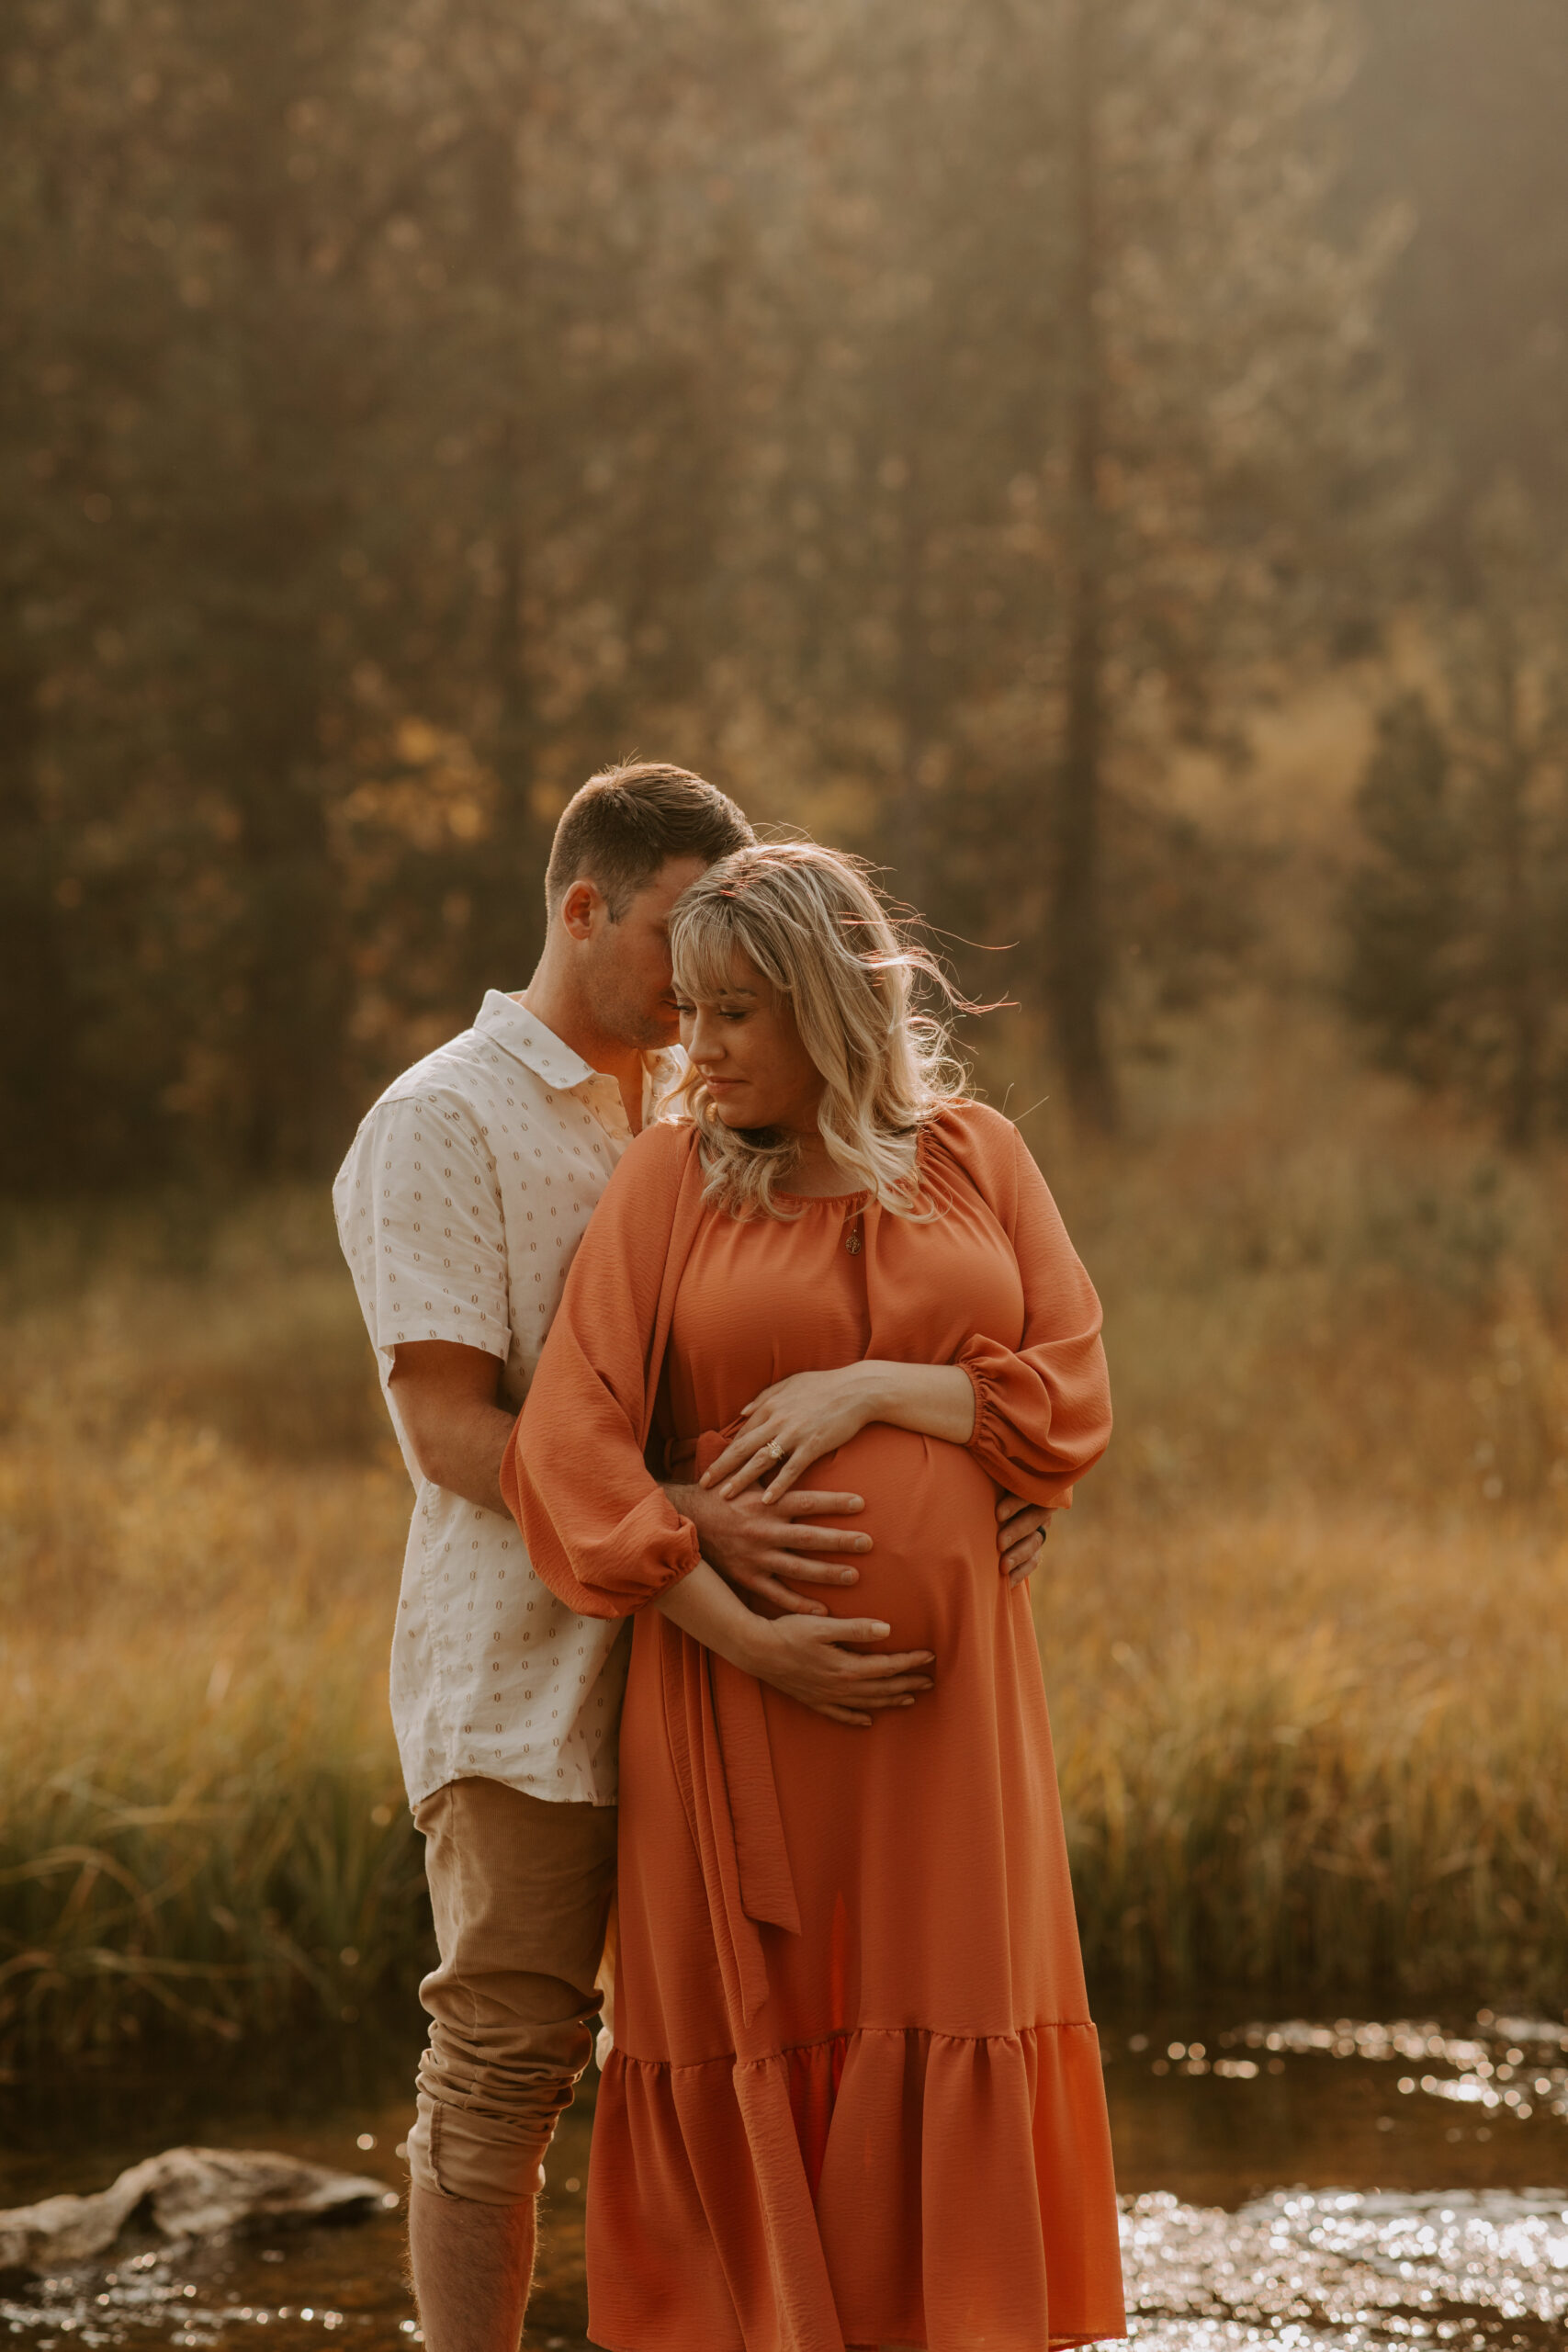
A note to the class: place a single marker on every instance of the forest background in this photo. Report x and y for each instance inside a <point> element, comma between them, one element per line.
<point>1102,460</point>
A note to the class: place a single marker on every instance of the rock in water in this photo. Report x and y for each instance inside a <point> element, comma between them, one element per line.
<point>191,2193</point>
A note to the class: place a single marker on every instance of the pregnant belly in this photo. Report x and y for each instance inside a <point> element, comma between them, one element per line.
<point>930,1514</point>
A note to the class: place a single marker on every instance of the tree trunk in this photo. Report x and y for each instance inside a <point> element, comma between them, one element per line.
<point>1077,962</point>
<point>508,917</point>
<point>1516,971</point>
<point>42,1128</point>
<point>909,851</point>
<point>290,982</point>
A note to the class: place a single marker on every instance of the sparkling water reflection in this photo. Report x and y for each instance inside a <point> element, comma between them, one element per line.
<point>1305,2184</point>
<point>1346,2269</point>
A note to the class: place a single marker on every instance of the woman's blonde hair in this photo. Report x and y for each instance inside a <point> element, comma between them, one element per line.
<point>814,925</point>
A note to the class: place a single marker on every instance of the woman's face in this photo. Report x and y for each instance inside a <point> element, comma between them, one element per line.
<point>748,1050</point>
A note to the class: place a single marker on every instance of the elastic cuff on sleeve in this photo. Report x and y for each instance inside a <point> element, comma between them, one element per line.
<point>968,1365</point>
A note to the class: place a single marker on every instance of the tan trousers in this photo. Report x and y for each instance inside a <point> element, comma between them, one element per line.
<point>520,1892</point>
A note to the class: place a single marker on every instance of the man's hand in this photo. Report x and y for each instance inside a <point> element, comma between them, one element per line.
<point>754,1543</point>
<point>1021,1530</point>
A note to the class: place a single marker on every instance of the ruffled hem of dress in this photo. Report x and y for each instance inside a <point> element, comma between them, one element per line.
<point>889,2186</point>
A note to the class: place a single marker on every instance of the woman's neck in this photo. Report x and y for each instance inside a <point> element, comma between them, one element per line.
<point>816,1174</point>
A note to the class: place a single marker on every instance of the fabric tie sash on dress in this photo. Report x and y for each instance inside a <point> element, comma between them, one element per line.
<point>717,1730</point>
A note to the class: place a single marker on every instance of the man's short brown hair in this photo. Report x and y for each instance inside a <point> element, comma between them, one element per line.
<point>626,821</point>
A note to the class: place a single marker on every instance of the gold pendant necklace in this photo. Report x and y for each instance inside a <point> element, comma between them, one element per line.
<point>851,1236</point>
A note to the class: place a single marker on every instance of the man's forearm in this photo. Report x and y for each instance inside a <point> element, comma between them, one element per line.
<point>466,1454</point>
<point>689,1501</point>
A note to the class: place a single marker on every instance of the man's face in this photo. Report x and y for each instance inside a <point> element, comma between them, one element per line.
<point>627,968</point>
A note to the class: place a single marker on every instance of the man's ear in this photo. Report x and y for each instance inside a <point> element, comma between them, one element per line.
<point>580,907</point>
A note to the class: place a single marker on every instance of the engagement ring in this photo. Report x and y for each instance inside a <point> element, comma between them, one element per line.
<point>775,1448</point>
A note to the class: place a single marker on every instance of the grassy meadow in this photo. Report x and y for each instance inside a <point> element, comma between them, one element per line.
<point>1305,1633</point>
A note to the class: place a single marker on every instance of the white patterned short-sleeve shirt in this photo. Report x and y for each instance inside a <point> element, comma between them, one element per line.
<point>460,1205</point>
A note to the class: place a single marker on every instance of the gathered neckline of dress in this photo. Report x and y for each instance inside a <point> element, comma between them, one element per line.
<point>822,1200</point>
<point>863,1198</point>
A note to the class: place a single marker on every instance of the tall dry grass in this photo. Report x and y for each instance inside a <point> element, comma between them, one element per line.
<point>200,1527</point>
<point>1303,1635</point>
<point>1306,1646</point>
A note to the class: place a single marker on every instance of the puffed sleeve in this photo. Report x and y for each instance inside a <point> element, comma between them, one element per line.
<point>601,1533</point>
<point>1042,1409</point>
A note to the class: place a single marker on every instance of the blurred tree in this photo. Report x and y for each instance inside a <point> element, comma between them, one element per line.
<point>914,319</point>
<point>363,404</point>
<point>1458,924</point>
<point>911,412</point>
<point>1227,416</point>
<point>1086,415</point>
<point>1458,112</point>
<point>83,308</point>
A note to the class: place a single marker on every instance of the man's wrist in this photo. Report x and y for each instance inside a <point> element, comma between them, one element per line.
<point>695,1503</point>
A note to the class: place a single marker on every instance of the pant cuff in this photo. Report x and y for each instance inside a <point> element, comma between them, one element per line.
<point>455,2152</point>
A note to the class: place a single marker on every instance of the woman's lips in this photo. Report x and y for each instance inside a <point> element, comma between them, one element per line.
<point>723,1085</point>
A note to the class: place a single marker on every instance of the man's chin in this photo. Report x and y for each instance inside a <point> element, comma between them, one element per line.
<point>653,1033</point>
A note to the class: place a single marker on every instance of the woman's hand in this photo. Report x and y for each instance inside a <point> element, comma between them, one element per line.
<point>808,1659</point>
<point>797,1421</point>
<point>792,1425</point>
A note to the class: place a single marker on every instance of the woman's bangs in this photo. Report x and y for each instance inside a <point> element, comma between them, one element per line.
<point>702,949</point>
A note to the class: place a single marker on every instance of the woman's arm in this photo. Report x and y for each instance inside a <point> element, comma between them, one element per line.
<point>1042,1407</point>
<point>601,1533</point>
<point>806,1657</point>
<point>797,1421</point>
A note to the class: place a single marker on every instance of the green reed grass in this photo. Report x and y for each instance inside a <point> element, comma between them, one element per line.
<point>1303,1635</point>
<point>1325,1751</point>
<point>202,1822</point>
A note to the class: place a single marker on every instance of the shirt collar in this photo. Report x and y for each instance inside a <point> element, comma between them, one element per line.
<point>517,1030</point>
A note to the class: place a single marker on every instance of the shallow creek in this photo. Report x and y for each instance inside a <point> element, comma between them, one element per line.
<point>1316,2184</point>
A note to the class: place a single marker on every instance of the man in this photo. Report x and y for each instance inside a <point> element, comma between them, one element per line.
<point>460,1205</point>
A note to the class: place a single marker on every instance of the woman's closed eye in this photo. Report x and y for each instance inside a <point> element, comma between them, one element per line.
<point>688,1011</point>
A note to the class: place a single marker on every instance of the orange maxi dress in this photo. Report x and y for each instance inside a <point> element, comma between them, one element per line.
<point>855,2096</point>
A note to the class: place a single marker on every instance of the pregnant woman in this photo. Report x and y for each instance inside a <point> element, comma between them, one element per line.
<point>855,2096</point>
